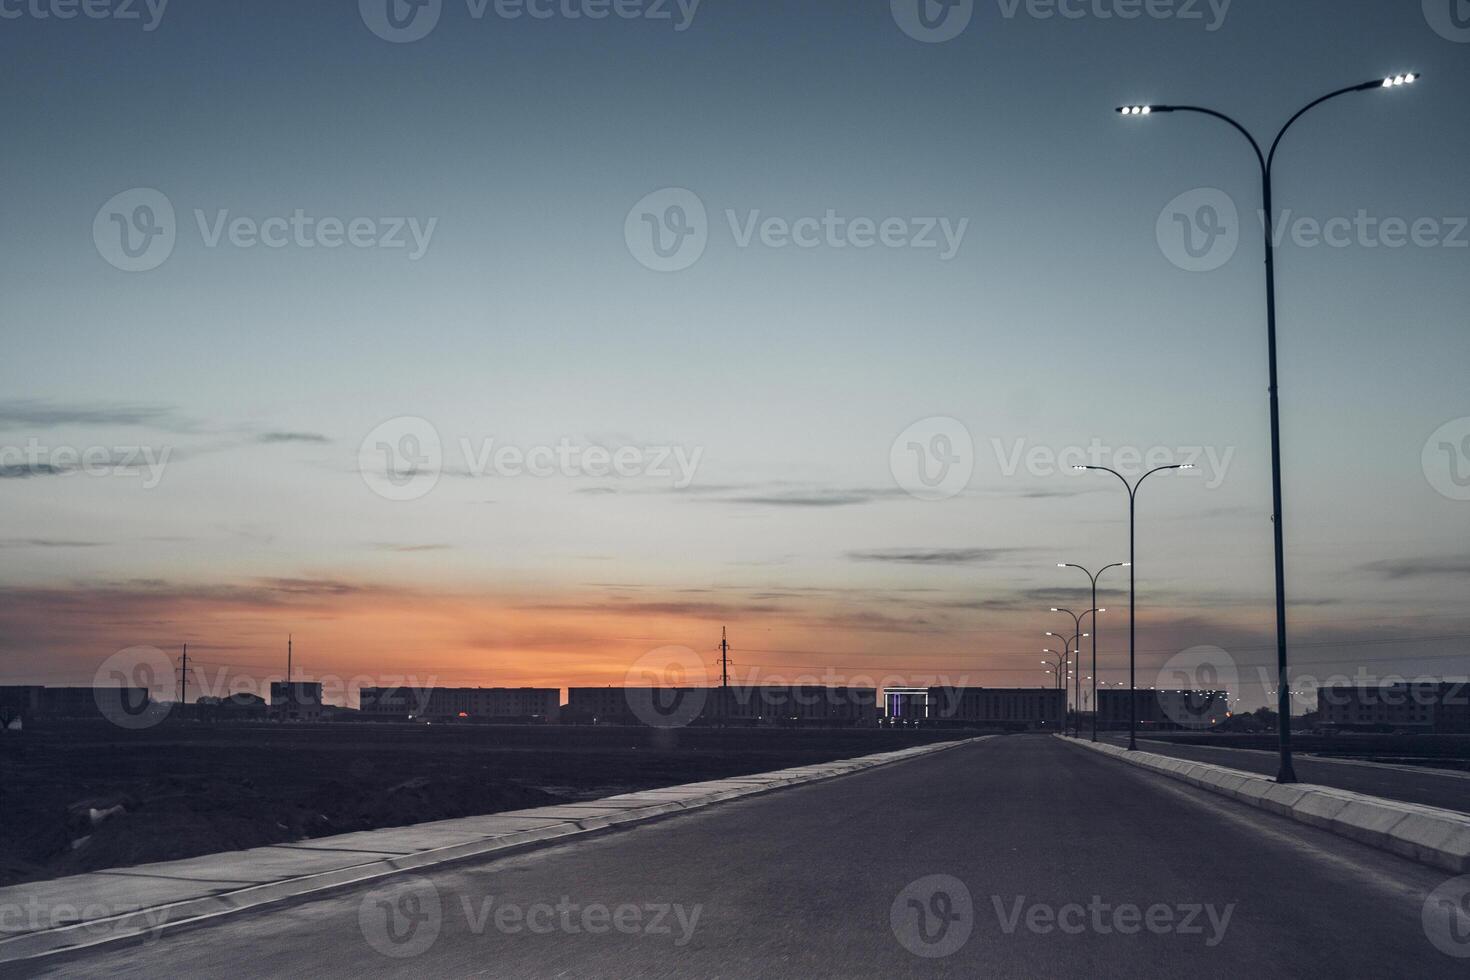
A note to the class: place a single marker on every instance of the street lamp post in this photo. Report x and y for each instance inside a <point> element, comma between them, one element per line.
<point>1132,594</point>
<point>1077,649</point>
<point>1064,666</point>
<point>1287,773</point>
<point>1094,578</point>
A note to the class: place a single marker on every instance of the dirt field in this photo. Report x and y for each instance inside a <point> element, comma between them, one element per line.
<point>186,790</point>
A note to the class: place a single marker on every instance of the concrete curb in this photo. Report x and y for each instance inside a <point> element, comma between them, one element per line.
<point>555,824</point>
<point>1430,835</point>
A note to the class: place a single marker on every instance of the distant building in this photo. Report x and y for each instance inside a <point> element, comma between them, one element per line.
<point>504,704</point>
<point>1171,710</point>
<point>1427,706</point>
<point>235,707</point>
<point>904,705</point>
<point>747,705</point>
<point>37,702</point>
<point>296,701</point>
<point>1019,708</point>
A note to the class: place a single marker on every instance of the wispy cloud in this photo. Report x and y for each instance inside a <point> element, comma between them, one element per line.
<point>1404,568</point>
<point>271,438</point>
<point>37,414</point>
<point>404,549</point>
<point>48,543</point>
<point>931,556</point>
<point>24,471</point>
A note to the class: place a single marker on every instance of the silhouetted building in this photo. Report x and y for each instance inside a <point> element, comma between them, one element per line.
<point>1016,708</point>
<point>1429,706</point>
<point>40,703</point>
<point>1170,710</point>
<point>756,704</point>
<point>503,704</point>
<point>905,705</point>
<point>296,701</point>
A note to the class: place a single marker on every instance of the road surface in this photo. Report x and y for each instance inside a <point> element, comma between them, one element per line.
<point>962,864</point>
<point>1412,784</point>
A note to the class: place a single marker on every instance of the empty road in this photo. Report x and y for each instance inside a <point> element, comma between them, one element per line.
<point>1021,856</point>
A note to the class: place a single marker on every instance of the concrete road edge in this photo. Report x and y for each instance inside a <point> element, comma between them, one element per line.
<point>664,802</point>
<point>1430,835</point>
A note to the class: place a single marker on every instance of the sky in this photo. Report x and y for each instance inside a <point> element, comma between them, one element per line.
<point>312,315</point>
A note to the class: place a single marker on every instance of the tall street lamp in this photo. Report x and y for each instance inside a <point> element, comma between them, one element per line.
<point>1132,595</point>
<point>1094,578</point>
<point>1077,646</point>
<point>1286,774</point>
<point>1074,649</point>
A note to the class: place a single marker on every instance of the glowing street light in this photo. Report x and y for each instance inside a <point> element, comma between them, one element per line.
<point>1287,773</point>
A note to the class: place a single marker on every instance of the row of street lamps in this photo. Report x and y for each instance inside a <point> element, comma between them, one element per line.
<point>1266,160</point>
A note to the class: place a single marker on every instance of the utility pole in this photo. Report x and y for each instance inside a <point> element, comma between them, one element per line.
<point>184,677</point>
<point>724,660</point>
<point>288,658</point>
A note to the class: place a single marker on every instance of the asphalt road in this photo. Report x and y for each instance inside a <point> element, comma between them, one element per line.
<point>1146,876</point>
<point>1412,784</point>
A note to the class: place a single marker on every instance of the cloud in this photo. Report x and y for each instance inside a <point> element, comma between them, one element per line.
<point>49,543</point>
<point>931,556</point>
<point>271,438</point>
<point>404,549</point>
<point>1405,568</point>
<point>24,471</point>
<point>34,413</point>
